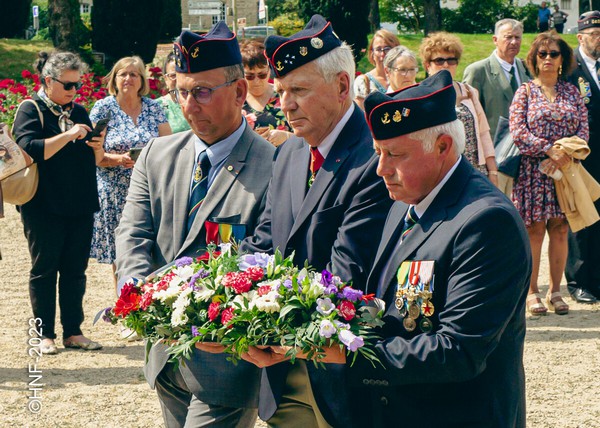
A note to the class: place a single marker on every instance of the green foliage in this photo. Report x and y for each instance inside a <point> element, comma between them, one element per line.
<point>14,17</point>
<point>170,22</point>
<point>66,28</point>
<point>126,27</point>
<point>407,13</point>
<point>281,7</point>
<point>287,24</point>
<point>350,19</point>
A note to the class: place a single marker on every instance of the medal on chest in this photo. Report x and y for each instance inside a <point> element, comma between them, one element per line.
<point>585,90</point>
<point>413,294</point>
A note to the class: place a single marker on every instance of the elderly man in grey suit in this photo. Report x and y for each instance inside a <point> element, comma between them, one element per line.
<point>182,185</point>
<point>498,77</point>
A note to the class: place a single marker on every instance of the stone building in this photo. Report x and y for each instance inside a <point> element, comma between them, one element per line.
<point>200,15</point>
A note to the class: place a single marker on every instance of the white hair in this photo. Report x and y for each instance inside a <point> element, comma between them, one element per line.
<point>335,61</point>
<point>428,136</point>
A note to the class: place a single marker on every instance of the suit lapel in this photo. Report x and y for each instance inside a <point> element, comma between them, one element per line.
<point>583,69</point>
<point>300,159</point>
<point>184,167</point>
<point>219,188</point>
<point>498,75</point>
<point>435,215</point>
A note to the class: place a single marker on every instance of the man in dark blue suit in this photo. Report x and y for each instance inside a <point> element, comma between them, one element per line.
<point>325,203</point>
<point>453,268</point>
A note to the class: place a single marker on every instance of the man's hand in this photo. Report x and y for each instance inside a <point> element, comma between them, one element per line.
<point>263,356</point>
<point>211,348</point>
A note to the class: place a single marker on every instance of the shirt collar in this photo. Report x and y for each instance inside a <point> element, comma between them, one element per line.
<point>590,62</point>
<point>505,65</point>
<point>422,206</point>
<point>220,150</point>
<point>327,143</point>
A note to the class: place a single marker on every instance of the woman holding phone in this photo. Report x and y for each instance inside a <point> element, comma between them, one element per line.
<point>58,221</point>
<point>133,121</point>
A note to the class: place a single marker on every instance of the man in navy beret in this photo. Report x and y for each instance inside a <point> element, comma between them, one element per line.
<point>325,204</point>
<point>453,267</point>
<point>583,263</point>
<point>183,186</point>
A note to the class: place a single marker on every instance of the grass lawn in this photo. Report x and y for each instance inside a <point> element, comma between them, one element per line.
<point>476,47</point>
<point>18,55</point>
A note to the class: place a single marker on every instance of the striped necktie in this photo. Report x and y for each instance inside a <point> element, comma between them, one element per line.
<point>199,187</point>
<point>410,220</point>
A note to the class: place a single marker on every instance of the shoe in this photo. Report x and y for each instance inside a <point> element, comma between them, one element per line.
<point>556,303</point>
<point>581,295</point>
<point>47,347</point>
<point>85,344</point>
<point>535,305</point>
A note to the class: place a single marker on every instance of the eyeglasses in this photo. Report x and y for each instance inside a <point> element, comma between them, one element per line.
<point>385,49</point>
<point>405,71</point>
<point>261,76</point>
<point>201,94</point>
<point>594,34</point>
<point>125,75</point>
<point>69,85</point>
<point>551,54</point>
<point>441,61</point>
<point>171,76</point>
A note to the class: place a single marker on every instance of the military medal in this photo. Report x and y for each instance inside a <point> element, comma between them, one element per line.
<point>409,324</point>
<point>414,311</point>
<point>585,90</point>
<point>425,325</point>
<point>413,294</point>
<point>197,173</point>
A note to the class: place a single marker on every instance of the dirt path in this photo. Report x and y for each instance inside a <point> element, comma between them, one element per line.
<point>107,388</point>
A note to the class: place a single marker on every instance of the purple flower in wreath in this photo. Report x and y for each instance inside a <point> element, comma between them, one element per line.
<point>288,284</point>
<point>351,341</point>
<point>351,294</point>
<point>325,306</point>
<point>198,275</point>
<point>326,329</point>
<point>257,259</point>
<point>328,283</point>
<point>195,331</point>
<point>184,261</point>
<point>106,314</point>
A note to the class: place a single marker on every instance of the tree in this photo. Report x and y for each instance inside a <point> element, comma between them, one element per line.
<point>350,19</point>
<point>374,18</point>
<point>409,14</point>
<point>14,17</point>
<point>126,27</point>
<point>170,23</point>
<point>66,29</point>
<point>433,16</point>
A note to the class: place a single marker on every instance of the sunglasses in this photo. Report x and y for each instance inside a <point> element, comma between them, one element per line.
<point>261,76</point>
<point>201,94</point>
<point>441,61</point>
<point>69,85</point>
<point>551,54</point>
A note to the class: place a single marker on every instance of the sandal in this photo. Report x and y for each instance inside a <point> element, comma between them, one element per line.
<point>535,305</point>
<point>86,344</point>
<point>557,304</point>
<point>47,347</point>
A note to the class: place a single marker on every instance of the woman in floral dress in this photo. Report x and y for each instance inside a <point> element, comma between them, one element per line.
<point>134,120</point>
<point>544,111</point>
<point>262,108</point>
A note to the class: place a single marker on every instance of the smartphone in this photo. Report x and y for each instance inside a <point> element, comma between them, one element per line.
<point>100,126</point>
<point>134,153</point>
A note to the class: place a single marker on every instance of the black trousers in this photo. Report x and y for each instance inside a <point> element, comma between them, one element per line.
<point>583,262</point>
<point>59,247</point>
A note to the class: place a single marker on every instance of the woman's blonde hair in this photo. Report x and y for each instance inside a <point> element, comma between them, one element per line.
<point>388,37</point>
<point>110,80</point>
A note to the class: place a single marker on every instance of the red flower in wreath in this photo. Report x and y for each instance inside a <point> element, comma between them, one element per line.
<point>347,310</point>
<point>213,310</point>
<point>226,316</point>
<point>239,281</point>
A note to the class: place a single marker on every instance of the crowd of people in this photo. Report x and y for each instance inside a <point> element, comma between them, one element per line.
<point>369,174</point>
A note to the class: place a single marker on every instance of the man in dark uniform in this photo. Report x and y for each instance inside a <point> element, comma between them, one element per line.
<point>583,263</point>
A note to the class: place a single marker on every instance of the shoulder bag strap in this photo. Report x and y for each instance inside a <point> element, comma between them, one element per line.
<point>37,107</point>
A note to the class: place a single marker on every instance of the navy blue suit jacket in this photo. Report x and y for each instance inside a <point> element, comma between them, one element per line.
<point>468,371</point>
<point>336,224</point>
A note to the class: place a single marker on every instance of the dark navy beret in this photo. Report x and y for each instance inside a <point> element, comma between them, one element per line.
<point>426,104</point>
<point>217,48</point>
<point>588,20</point>
<point>286,54</point>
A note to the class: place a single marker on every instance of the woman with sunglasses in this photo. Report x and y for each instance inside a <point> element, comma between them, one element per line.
<point>134,120</point>
<point>172,108</point>
<point>375,80</point>
<point>542,112</point>
<point>58,221</point>
<point>442,51</point>
<point>262,108</point>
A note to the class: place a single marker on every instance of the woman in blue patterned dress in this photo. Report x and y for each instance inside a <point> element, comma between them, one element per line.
<point>134,120</point>
<point>542,112</point>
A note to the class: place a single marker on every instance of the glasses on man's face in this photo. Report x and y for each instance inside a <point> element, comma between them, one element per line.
<point>171,76</point>
<point>545,54</point>
<point>67,86</point>
<point>384,50</point>
<point>124,75</point>
<point>441,61</point>
<point>594,34</point>
<point>261,76</point>
<point>404,71</point>
<point>201,94</point>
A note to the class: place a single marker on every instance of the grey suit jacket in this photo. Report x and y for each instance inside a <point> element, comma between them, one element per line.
<point>495,93</point>
<point>152,233</point>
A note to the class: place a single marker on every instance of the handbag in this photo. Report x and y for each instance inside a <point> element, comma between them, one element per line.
<point>508,155</point>
<point>20,187</point>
